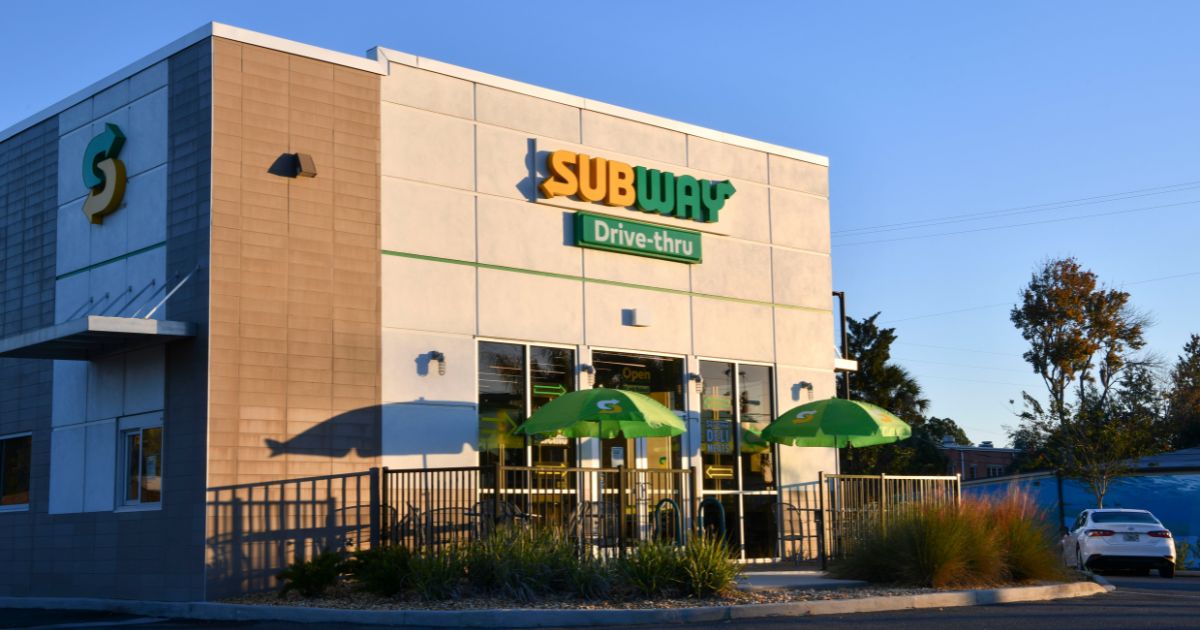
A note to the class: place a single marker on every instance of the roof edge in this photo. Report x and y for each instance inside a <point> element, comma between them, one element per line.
<point>386,55</point>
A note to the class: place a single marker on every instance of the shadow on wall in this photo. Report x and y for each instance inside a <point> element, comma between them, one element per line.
<point>423,427</point>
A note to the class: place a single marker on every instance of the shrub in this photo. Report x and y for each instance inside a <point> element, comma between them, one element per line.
<point>521,563</point>
<point>311,578</point>
<point>382,570</point>
<point>977,543</point>
<point>1182,550</point>
<point>590,578</point>
<point>652,569</point>
<point>436,574</point>
<point>706,566</point>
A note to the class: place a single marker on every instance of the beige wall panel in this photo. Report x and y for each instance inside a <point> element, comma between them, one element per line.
<point>653,272</point>
<point>799,220</point>
<point>669,330</point>
<point>790,395</point>
<point>732,330</point>
<point>526,236</point>
<point>526,113</point>
<point>802,279</point>
<point>427,147</point>
<point>733,268</point>
<point>799,465</point>
<point>409,376</point>
<point>406,85</point>
<point>797,175</point>
<point>419,435</point>
<point>525,306</point>
<point>427,295</point>
<point>804,338</point>
<point>633,138</point>
<point>747,215</point>
<point>732,161</point>
<point>504,163</point>
<point>429,220</point>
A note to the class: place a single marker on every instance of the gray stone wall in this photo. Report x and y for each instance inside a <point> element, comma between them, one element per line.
<point>28,200</point>
<point>154,554</point>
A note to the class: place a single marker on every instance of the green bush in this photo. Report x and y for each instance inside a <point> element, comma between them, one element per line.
<point>382,570</point>
<point>522,563</point>
<point>1182,550</point>
<point>706,566</point>
<point>977,543</point>
<point>652,569</point>
<point>590,578</point>
<point>311,578</point>
<point>436,574</point>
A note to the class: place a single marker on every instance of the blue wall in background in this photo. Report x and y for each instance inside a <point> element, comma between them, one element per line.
<point>1173,498</point>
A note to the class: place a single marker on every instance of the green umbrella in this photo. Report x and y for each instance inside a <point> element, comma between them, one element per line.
<point>604,413</point>
<point>836,423</point>
<point>752,439</point>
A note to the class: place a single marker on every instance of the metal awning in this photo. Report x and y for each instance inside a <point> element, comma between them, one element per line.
<point>93,337</point>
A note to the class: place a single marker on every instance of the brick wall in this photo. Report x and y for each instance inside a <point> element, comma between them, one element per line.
<point>294,377</point>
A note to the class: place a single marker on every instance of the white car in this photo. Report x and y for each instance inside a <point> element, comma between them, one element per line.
<point>1120,539</point>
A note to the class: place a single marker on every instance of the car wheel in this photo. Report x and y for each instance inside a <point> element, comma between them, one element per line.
<point>1167,571</point>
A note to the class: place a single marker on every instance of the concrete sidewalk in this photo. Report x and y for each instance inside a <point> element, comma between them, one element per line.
<point>795,580</point>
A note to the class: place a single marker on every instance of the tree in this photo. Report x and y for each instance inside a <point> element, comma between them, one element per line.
<point>1183,399</point>
<point>1082,339</point>
<point>883,383</point>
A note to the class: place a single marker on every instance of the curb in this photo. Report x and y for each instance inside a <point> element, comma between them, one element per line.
<point>524,618</point>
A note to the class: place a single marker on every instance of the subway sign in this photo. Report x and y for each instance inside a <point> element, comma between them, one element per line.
<point>596,231</point>
<point>618,184</point>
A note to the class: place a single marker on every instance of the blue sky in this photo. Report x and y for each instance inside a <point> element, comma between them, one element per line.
<point>926,109</point>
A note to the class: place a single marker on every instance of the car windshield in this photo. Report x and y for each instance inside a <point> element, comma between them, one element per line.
<point>1123,517</point>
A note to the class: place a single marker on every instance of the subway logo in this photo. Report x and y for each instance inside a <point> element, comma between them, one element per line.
<point>614,183</point>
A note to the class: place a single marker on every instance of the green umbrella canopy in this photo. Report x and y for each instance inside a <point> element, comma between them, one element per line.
<point>604,413</point>
<point>837,423</point>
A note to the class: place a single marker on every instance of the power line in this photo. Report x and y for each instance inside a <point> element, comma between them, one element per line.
<point>1026,224</point>
<point>1041,207</point>
<point>926,345</point>
<point>960,310</point>
<point>962,365</point>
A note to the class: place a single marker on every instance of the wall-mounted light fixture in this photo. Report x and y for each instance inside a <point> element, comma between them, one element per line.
<point>591,373</point>
<point>806,385</point>
<point>698,380</point>
<point>434,355</point>
<point>294,165</point>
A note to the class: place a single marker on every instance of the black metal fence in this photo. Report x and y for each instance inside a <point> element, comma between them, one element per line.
<point>605,510</point>
<point>856,504</point>
<point>257,529</point>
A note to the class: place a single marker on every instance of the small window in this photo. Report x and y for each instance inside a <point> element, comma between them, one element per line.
<point>142,466</point>
<point>995,470</point>
<point>973,472</point>
<point>14,471</point>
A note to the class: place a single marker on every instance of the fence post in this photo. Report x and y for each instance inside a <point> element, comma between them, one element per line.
<point>821,520</point>
<point>497,487</point>
<point>883,502</point>
<point>376,511</point>
<point>621,487</point>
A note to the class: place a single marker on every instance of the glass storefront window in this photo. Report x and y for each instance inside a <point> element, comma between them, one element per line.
<point>717,442</point>
<point>660,378</point>
<point>501,403</point>
<point>755,400</point>
<point>552,374</point>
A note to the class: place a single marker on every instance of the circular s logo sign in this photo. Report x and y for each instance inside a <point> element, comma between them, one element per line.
<point>611,405</point>
<point>103,173</point>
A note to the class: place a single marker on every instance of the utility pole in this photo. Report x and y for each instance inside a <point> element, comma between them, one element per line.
<point>841,296</point>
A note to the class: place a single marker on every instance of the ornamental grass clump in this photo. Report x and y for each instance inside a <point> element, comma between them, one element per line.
<point>706,566</point>
<point>652,569</point>
<point>974,544</point>
<point>522,563</point>
<point>436,574</point>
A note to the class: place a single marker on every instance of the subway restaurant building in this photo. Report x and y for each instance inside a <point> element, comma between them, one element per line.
<point>242,272</point>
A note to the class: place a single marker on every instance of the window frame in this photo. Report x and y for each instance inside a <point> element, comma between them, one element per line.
<point>128,426</point>
<point>17,507</point>
<point>527,371</point>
